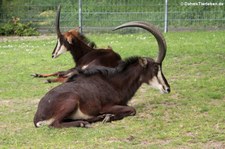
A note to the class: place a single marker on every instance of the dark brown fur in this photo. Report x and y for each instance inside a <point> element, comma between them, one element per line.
<point>83,51</point>
<point>83,55</point>
<point>95,94</point>
<point>101,93</point>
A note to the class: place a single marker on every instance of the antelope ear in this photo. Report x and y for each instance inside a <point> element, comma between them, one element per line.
<point>143,62</point>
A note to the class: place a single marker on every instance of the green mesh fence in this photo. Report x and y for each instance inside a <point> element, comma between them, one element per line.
<point>103,15</point>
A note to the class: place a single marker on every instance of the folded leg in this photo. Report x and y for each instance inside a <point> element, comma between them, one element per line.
<point>117,112</point>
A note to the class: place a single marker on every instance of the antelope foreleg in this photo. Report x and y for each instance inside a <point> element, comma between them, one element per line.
<point>80,123</point>
<point>117,112</point>
<point>99,118</point>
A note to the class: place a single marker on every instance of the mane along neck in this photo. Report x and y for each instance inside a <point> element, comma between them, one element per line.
<point>79,49</point>
<point>125,78</point>
<point>127,82</point>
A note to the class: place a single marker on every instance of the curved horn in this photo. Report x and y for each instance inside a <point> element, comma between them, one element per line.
<point>57,19</point>
<point>152,29</point>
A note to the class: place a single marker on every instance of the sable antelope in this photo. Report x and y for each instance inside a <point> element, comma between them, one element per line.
<point>101,93</point>
<point>82,50</point>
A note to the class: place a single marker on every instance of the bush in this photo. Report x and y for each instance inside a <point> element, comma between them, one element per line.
<point>15,27</point>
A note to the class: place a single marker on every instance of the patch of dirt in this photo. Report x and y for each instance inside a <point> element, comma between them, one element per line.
<point>12,102</point>
<point>214,145</point>
<point>6,102</point>
<point>157,142</point>
<point>176,96</point>
<point>207,145</point>
<point>128,139</point>
<point>217,102</point>
<point>21,38</point>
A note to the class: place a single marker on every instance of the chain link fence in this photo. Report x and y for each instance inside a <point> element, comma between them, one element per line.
<point>103,15</point>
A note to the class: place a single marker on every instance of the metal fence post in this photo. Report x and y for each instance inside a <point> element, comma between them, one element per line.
<point>80,15</point>
<point>166,17</point>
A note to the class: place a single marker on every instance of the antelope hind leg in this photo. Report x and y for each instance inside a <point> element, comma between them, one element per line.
<point>61,110</point>
<point>59,79</point>
<point>59,74</point>
<point>63,76</point>
<point>36,75</point>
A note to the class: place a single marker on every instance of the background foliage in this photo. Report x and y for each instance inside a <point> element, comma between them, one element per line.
<point>102,15</point>
<point>15,27</point>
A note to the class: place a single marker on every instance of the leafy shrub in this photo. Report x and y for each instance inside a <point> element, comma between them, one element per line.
<point>15,27</point>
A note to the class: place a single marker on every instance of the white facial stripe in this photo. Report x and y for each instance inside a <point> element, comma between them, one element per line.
<point>154,82</point>
<point>60,49</point>
<point>160,78</point>
<point>158,82</point>
<point>58,46</point>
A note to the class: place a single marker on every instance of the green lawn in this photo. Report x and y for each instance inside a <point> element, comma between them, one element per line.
<point>191,116</point>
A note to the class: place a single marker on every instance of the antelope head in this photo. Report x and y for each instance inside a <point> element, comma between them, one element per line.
<point>64,41</point>
<point>153,74</point>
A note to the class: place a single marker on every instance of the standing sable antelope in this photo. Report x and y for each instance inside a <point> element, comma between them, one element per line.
<point>101,93</point>
<point>82,50</point>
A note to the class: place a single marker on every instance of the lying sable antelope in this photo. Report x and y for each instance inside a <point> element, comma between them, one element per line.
<point>100,93</point>
<point>84,53</point>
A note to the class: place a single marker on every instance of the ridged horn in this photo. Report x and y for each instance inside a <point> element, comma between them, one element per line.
<point>152,29</point>
<point>57,21</point>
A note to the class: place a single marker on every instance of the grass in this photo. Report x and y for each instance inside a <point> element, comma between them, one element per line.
<point>191,116</point>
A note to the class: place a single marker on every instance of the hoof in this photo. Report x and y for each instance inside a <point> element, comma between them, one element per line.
<point>107,118</point>
<point>35,75</point>
<point>85,125</point>
<point>48,81</point>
